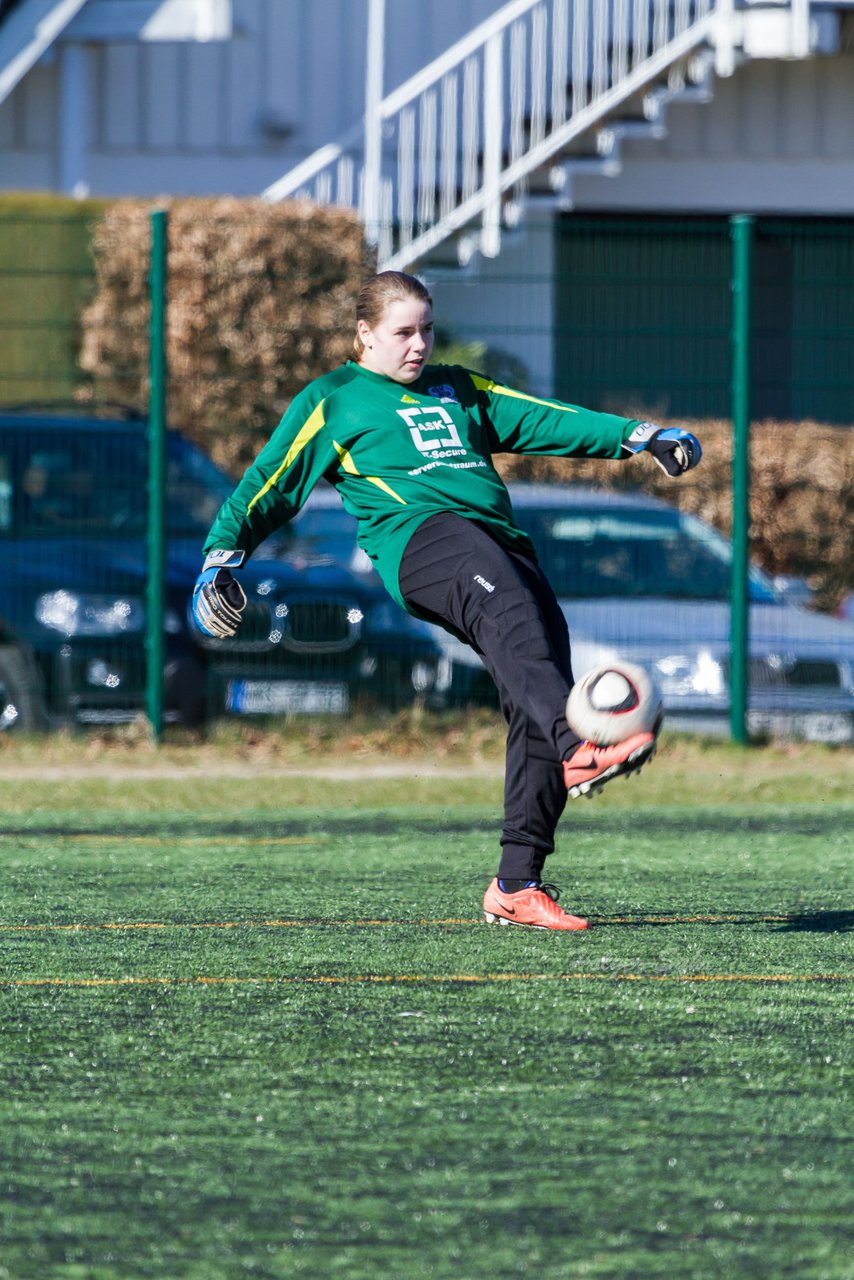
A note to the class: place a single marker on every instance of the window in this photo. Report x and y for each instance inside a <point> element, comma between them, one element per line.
<point>90,482</point>
<point>596,553</point>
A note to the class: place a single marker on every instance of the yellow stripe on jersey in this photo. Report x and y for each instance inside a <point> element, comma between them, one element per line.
<point>381,484</point>
<point>486,384</point>
<point>346,460</point>
<point>307,432</point>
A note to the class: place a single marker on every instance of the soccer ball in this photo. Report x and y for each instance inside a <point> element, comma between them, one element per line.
<point>614,702</point>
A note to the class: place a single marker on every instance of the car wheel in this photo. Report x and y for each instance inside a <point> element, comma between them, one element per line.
<point>21,706</point>
<point>186,693</point>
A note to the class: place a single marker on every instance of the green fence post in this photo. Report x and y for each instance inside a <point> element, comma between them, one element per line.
<point>742,231</point>
<point>155,603</point>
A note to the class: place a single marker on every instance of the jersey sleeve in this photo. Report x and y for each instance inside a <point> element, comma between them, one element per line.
<point>521,423</point>
<point>280,479</point>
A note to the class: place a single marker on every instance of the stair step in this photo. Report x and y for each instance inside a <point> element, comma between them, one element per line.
<point>609,137</point>
<point>555,181</point>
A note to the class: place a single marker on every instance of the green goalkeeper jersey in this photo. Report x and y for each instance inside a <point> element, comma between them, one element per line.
<point>398,454</point>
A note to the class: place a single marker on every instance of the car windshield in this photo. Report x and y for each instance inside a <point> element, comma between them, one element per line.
<point>90,482</point>
<point>600,552</point>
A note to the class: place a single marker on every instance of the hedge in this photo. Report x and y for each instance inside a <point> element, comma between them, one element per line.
<point>261,299</point>
<point>46,275</point>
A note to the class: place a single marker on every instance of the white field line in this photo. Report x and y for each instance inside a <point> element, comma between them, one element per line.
<point>344,771</point>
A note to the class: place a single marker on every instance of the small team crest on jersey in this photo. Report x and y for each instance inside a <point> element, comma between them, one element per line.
<point>408,400</point>
<point>445,393</point>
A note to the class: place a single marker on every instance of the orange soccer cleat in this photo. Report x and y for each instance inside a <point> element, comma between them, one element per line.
<point>535,907</point>
<point>590,767</point>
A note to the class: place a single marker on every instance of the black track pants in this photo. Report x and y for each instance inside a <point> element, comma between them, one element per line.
<point>498,600</point>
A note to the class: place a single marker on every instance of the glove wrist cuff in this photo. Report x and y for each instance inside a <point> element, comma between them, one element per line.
<point>640,436</point>
<point>223,560</point>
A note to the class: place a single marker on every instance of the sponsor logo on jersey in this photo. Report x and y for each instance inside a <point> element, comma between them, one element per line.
<point>458,466</point>
<point>408,400</point>
<point>433,432</point>
<point>487,586</point>
<point>445,393</point>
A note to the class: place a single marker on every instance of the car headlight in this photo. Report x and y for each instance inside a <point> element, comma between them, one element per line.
<point>681,674</point>
<point>423,676</point>
<point>89,615</point>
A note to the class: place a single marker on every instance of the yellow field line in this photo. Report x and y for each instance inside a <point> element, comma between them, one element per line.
<point>106,838</point>
<point>330,922</point>
<point>216,924</point>
<point>391,979</point>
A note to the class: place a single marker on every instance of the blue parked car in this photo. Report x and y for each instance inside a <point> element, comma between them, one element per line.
<point>315,638</point>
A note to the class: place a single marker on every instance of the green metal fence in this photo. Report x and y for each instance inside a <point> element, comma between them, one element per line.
<point>743,237</point>
<point>46,276</point>
<point>644,313</point>
<point>804,319</point>
<point>608,310</point>
<point>701,318</point>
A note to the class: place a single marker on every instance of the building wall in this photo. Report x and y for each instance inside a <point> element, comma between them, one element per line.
<point>205,118</point>
<point>234,116</point>
<point>507,303</point>
<point>776,137</point>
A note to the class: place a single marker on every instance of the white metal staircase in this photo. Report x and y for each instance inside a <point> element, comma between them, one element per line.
<point>541,89</point>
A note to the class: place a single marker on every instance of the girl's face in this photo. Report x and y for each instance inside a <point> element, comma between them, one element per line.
<point>400,345</point>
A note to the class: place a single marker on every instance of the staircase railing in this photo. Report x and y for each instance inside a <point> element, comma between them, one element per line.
<point>28,30</point>
<point>455,142</point>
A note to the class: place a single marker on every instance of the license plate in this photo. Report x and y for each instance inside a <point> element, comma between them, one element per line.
<point>272,697</point>
<point>810,726</point>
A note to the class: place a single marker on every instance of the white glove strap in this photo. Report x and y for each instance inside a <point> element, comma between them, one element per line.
<point>224,560</point>
<point>640,437</point>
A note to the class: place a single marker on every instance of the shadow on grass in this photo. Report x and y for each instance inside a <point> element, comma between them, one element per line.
<point>819,922</point>
<point>689,825</point>
<point>796,922</point>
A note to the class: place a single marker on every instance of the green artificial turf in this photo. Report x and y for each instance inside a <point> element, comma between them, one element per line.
<point>318,1061</point>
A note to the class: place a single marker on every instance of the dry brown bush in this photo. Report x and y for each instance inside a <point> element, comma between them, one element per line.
<point>261,299</point>
<point>801,497</point>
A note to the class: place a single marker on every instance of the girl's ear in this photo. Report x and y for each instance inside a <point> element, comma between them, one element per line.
<point>363,329</point>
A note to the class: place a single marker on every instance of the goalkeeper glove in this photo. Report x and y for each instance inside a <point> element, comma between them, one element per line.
<point>218,598</point>
<point>672,448</point>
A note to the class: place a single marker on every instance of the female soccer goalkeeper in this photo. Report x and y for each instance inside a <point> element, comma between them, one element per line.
<point>410,448</point>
